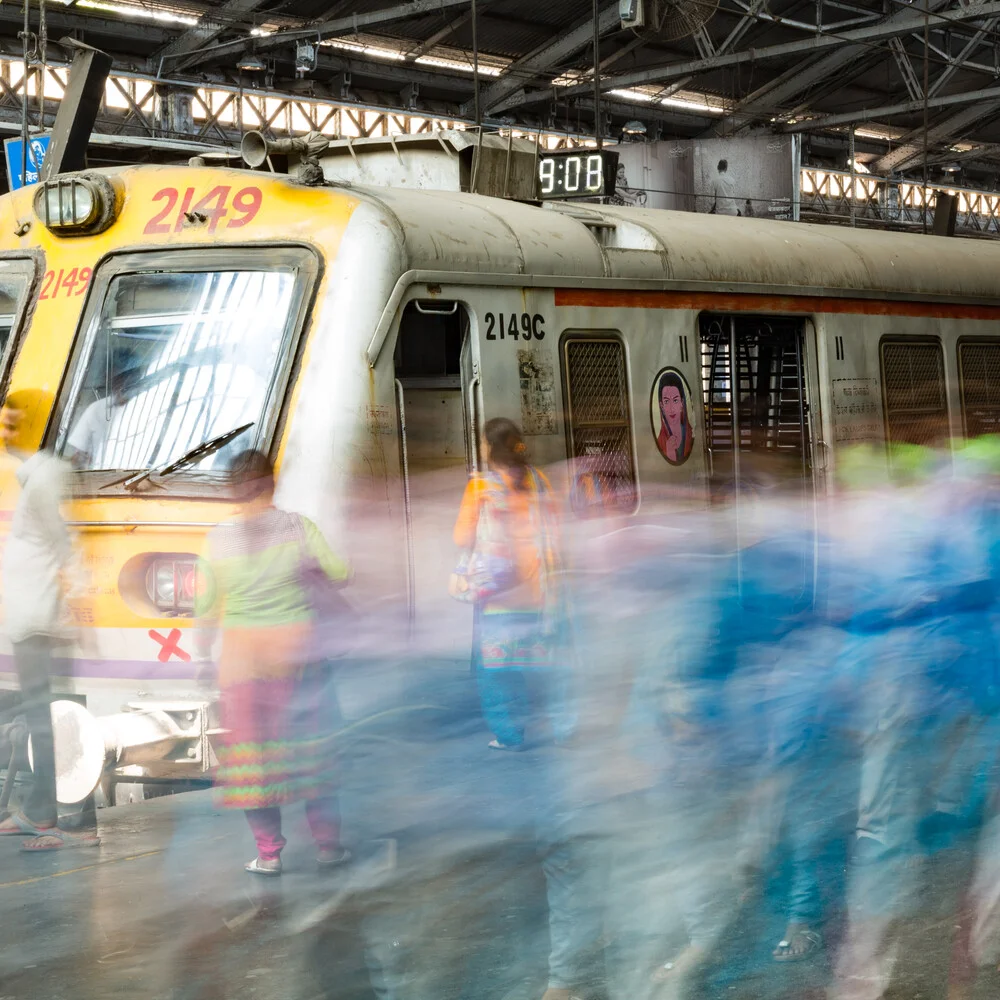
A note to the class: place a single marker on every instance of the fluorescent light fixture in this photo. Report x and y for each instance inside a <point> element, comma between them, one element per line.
<point>631,95</point>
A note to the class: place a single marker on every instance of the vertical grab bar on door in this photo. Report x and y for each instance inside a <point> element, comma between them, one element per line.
<point>734,412</point>
<point>474,419</point>
<point>408,515</point>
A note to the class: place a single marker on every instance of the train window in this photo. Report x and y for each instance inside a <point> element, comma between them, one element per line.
<point>180,368</point>
<point>913,388</point>
<point>15,281</point>
<point>979,377</point>
<point>598,428</point>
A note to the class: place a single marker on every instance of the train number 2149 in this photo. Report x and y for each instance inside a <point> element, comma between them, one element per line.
<point>211,209</point>
<point>515,326</point>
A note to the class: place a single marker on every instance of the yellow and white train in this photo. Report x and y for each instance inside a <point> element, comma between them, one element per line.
<point>170,316</point>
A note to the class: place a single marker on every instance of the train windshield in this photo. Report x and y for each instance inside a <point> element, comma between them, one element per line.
<point>15,281</point>
<point>181,369</point>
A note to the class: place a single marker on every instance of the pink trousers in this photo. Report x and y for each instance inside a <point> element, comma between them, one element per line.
<point>324,824</point>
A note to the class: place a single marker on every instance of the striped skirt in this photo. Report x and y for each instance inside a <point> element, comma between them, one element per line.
<point>279,744</point>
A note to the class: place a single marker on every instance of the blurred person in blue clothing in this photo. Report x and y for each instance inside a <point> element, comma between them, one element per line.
<point>920,642</point>
<point>675,851</point>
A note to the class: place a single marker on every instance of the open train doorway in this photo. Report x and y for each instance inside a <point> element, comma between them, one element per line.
<point>438,447</point>
<point>756,410</point>
<point>757,431</point>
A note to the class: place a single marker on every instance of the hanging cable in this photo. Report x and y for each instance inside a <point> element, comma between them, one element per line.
<point>597,74</point>
<point>475,67</point>
<point>24,93</point>
<point>927,44</point>
<point>43,44</point>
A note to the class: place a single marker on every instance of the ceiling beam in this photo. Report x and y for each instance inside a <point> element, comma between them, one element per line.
<point>438,37</point>
<point>910,151</point>
<point>904,22</point>
<point>913,86</point>
<point>211,25</point>
<point>90,25</point>
<point>958,62</point>
<point>327,29</point>
<point>547,57</point>
<point>889,110</point>
<point>766,100</point>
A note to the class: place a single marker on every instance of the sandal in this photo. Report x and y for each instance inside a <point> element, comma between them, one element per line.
<point>59,840</point>
<point>512,747</point>
<point>256,867</point>
<point>18,825</point>
<point>812,940</point>
<point>327,860</point>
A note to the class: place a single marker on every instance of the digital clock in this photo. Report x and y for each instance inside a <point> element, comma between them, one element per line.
<point>580,173</point>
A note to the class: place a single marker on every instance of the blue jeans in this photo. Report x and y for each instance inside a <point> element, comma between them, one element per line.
<point>520,703</point>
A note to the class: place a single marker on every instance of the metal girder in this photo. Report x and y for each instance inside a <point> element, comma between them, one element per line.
<point>326,29</point>
<point>904,22</point>
<point>888,110</point>
<point>959,61</point>
<point>911,148</point>
<point>800,77</point>
<point>548,56</point>
<point>438,37</point>
<point>521,96</point>
<point>906,70</point>
<point>746,22</point>
<point>64,21</point>
<point>393,72</point>
<point>211,25</point>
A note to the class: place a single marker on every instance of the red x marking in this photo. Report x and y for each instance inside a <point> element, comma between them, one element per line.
<point>169,645</point>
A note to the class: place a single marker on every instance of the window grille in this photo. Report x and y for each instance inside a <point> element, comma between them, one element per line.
<point>979,368</point>
<point>916,404</point>
<point>598,425</point>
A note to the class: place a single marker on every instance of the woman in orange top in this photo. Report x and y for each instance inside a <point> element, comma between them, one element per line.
<point>514,634</point>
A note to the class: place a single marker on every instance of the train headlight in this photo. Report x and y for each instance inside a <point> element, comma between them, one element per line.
<point>78,205</point>
<point>171,585</point>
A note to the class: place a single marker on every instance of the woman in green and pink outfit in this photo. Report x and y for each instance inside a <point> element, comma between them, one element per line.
<point>276,705</point>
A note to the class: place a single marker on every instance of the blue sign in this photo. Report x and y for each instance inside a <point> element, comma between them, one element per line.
<point>37,147</point>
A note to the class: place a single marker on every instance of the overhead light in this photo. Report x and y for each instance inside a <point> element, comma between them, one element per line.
<point>251,64</point>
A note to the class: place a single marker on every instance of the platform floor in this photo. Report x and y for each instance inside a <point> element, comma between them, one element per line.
<point>445,899</point>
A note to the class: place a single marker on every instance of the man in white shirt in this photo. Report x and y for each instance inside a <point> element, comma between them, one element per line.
<point>723,192</point>
<point>95,427</point>
<point>36,557</point>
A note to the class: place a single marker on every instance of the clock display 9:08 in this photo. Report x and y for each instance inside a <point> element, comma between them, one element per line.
<point>571,175</point>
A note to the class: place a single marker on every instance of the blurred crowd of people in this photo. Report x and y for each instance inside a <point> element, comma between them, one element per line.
<point>755,686</point>
<point>708,704</point>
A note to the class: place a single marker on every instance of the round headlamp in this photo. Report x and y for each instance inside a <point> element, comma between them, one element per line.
<point>76,205</point>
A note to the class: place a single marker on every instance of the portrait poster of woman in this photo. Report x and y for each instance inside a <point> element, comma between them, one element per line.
<point>670,413</point>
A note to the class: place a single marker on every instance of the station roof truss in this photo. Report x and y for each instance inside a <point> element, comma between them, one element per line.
<point>909,86</point>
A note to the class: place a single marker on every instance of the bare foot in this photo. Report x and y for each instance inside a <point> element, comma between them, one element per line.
<point>799,941</point>
<point>690,958</point>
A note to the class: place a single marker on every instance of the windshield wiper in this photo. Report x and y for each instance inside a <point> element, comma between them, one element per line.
<point>196,454</point>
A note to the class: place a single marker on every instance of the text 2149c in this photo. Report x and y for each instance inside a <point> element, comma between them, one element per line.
<point>514,326</point>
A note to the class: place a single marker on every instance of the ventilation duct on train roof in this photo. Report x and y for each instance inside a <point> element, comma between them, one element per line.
<point>481,163</point>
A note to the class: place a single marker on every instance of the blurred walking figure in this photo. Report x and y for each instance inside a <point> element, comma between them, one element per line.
<point>36,559</point>
<point>276,701</point>
<point>507,522</point>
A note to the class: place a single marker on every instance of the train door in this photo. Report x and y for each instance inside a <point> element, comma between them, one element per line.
<point>436,411</point>
<point>754,378</point>
<point>756,411</point>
